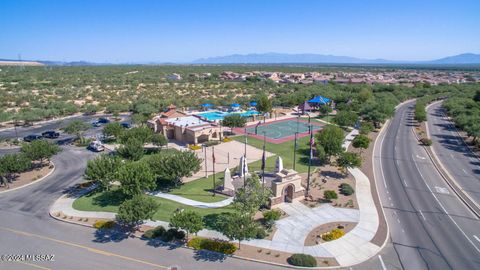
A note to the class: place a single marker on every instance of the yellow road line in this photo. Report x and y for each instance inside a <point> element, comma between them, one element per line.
<point>36,266</point>
<point>94,250</point>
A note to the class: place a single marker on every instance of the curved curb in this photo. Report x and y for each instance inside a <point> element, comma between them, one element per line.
<point>382,131</point>
<point>34,182</point>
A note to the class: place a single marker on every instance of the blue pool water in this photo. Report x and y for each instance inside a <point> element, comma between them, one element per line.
<point>217,115</point>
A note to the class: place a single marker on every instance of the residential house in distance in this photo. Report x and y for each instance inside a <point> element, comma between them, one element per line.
<point>174,77</point>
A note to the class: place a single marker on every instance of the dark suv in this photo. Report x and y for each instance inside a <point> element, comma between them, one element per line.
<point>103,120</point>
<point>50,134</point>
<point>32,137</point>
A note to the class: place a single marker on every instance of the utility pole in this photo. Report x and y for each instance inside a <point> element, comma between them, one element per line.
<point>205,150</point>
<point>213,164</point>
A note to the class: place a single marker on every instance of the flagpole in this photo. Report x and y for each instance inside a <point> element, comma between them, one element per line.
<point>309,159</point>
<point>245,161</point>
<point>213,164</point>
<point>263,161</point>
<point>205,149</point>
<point>295,151</point>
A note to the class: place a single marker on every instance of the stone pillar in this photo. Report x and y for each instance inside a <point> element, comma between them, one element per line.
<point>278,164</point>
<point>243,164</point>
<point>227,180</point>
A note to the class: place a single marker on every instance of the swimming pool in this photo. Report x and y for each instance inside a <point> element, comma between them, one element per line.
<point>218,115</point>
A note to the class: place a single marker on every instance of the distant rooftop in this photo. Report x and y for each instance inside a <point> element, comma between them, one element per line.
<point>189,121</point>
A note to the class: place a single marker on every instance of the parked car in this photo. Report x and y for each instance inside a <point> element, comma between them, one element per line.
<point>96,124</point>
<point>103,120</point>
<point>50,134</point>
<point>32,137</point>
<point>96,146</point>
<point>126,125</point>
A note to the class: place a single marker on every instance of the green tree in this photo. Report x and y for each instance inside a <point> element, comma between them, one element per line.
<point>365,95</point>
<point>331,138</point>
<point>131,149</point>
<point>142,134</point>
<point>12,164</point>
<point>361,141</point>
<point>171,167</point>
<point>320,153</point>
<point>233,121</point>
<point>139,119</point>
<point>477,96</point>
<point>420,112</point>
<point>133,212</point>
<point>90,109</point>
<point>113,129</point>
<point>264,104</point>
<point>159,140</point>
<point>103,170</point>
<point>40,150</point>
<point>77,128</point>
<point>189,221</point>
<point>249,198</point>
<point>346,118</point>
<point>239,227</point>
<point>324,109</point>
<point>349,160</point>
<point>135,178</point>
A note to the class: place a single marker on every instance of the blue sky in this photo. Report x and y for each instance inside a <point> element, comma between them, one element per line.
<point>178,31</point>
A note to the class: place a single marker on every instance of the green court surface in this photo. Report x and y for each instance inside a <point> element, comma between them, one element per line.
<point>282,129</point>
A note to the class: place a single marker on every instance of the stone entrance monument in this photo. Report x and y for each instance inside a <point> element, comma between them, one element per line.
<point>287,187</point>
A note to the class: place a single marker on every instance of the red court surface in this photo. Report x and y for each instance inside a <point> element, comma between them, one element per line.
<point>279,131</point>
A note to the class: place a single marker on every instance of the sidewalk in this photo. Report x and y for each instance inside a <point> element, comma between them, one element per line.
<point>193,203</point>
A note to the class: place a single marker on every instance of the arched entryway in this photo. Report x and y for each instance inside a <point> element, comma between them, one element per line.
<point>288,193</point>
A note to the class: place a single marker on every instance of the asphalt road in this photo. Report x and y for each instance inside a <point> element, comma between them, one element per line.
<point>39,128</point>
<point>430,227</point>
<point>455,156</point>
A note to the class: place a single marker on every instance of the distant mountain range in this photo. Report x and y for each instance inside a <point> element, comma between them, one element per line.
<point>279,58</point>
<point>283,58</point>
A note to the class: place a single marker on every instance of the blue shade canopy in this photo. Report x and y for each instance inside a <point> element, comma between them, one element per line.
<point>206,105</point>
<point>253,103</point>
<point>235,105</point>
<point>319,100</point>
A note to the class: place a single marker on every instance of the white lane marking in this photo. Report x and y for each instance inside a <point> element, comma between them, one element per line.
<point>420,157</point>
<point>478,239</point>
<point>465,171</point>
<point>405,182</point>
<point>389,198</point>
<point>382,263</point>
<point>442,190</point>
<point>445,210</point>
<point>381,165</point>
<point>422,214</point>
<point>451,156</point>
<point>398,220</point>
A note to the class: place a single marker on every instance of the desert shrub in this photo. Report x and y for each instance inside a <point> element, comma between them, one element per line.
<point>104,224</point>
<point>164,235</point>
<point>366,127</point>
<point>227,139</point>
<point>426,141</point>
<point>346,189</point>
<point>260,233</point>
<point>158,231</point>
<point>330,195</point>
<point>194,147</point>
<point>304,260</point>
<point>272,215</point>
<point>212,245</point>
<point>333,234</point>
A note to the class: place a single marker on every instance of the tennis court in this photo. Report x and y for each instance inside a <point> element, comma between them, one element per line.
<point>281,131</point>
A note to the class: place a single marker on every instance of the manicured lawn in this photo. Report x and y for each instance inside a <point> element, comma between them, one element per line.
<point>199,190</point>
<point>109,202</point>
<point>285,150</point>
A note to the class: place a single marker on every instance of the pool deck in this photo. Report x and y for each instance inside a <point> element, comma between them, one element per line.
<point>279,140</point>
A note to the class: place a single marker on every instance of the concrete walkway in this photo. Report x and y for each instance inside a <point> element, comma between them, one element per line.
<point>186,201</point>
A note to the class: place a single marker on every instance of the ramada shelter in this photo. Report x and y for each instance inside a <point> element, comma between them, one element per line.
<point>184,128</point>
